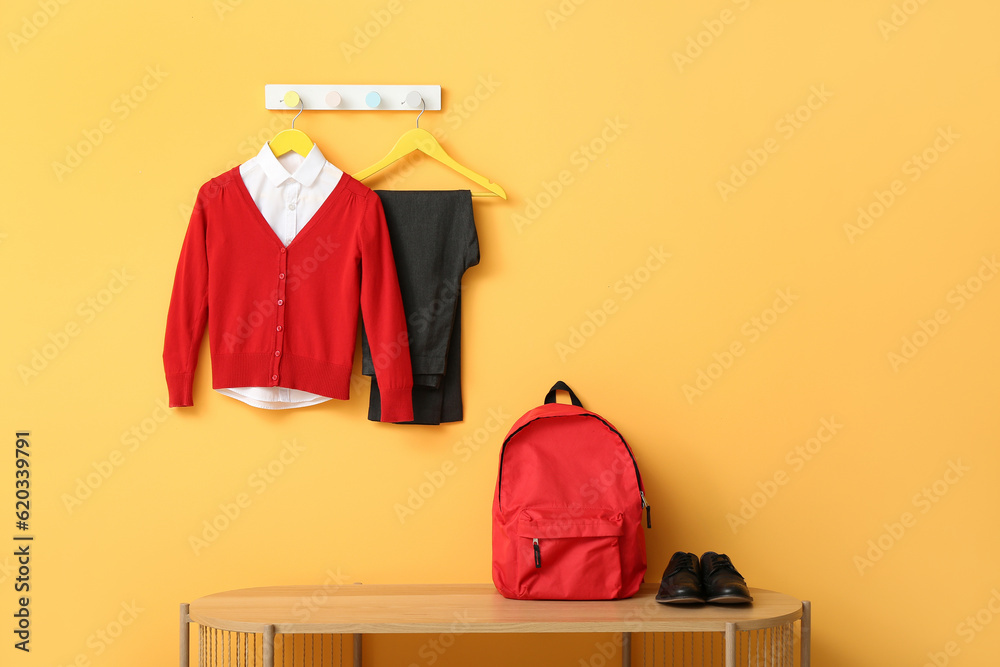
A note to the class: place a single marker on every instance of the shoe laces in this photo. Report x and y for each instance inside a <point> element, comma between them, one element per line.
<point>720,561</point>
<point>685,563</point>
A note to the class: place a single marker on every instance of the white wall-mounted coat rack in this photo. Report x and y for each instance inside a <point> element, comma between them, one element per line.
<point>352,97</point>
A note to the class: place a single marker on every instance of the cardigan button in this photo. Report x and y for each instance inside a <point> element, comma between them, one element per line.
<point>281,302</point>
<point>281,276</point>
<point>277,353</point>
<point>274,377</point>
<point>279,327</point>
<point>282,251</point>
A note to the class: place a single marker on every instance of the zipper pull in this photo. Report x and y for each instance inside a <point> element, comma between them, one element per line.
<point>649,521</point>
<point>538,552</point>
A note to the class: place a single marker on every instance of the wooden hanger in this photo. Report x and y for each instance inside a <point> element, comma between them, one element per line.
<point>422,140</point>
<point>291,140</point>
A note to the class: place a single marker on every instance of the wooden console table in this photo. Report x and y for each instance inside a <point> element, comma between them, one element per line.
<point>238,628</point>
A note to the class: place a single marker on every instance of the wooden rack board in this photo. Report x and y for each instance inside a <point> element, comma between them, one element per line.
<point>418,609</point>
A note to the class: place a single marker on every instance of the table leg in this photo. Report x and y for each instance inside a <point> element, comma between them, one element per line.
<point>730,645</point>
<point>357,650</point>
<point>806,641</point>
<point>185,636</point>
<point>626,649</point>
<point>269,646</point>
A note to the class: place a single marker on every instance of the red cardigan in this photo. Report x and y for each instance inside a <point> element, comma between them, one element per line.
<point>282,316</point>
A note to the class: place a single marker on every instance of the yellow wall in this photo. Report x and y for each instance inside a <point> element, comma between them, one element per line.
<point>163,96</point>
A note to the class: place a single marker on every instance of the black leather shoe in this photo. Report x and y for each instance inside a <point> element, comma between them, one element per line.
<point>720,580</point>
<point>681,583</point>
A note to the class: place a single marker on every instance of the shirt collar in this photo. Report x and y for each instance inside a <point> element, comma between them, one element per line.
<point>305,174</point>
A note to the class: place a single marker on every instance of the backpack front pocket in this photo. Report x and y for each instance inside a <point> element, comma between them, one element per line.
<point>567,553</point>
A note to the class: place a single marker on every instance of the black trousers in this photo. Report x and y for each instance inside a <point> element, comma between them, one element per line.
<point>434,240</point>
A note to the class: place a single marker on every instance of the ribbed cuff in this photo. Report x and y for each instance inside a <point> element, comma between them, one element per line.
<point>397,404</point>
<point>180,388</point>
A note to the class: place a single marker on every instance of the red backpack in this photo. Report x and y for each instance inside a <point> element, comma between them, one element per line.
<point>567,510</point>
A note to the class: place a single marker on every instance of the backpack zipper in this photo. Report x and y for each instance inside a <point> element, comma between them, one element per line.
<point>538,552</point>
<point>638,478</point>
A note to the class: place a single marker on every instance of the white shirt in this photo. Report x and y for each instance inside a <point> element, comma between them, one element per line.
<point>288,191</point>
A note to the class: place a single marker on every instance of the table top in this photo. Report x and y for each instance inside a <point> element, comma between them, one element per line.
<point>470,608</point>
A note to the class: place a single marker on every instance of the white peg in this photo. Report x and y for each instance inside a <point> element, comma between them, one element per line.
<point>413,99</point>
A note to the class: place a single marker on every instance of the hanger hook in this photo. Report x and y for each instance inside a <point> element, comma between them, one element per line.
<point>302,107</point>
<point>423,108</point>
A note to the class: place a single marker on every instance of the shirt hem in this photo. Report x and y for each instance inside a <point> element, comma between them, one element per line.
<point>271,405</point>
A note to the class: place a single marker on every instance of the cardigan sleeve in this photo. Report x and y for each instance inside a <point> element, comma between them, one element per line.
<point>188,309</point>
<point>384,317</point>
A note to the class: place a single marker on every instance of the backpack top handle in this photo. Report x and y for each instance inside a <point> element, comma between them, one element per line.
<point>551,396</point>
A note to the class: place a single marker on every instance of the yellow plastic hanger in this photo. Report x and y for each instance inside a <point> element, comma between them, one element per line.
<point>291,140</point>
<point>422,140</point>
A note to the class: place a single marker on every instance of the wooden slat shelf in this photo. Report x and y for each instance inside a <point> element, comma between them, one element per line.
<point>473,608</point>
